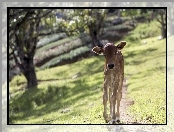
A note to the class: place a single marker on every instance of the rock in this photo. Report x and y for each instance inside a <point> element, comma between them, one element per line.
<point>159,37</point>
<point>144,42</point>
<point>65,110</point>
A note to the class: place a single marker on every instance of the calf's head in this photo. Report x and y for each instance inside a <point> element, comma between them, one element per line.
<point>110,51</point>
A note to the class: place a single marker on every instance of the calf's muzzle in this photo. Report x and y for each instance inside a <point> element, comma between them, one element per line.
<point>110,66</point>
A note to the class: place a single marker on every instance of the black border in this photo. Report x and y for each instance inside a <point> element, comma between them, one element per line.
<point>8,8</point>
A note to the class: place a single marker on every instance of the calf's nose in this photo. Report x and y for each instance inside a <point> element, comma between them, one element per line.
<point>110,66</point>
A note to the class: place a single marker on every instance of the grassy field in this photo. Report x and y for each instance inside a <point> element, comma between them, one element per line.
<point>59,98</point>
<point>145,68</point>
<point>72,93</point>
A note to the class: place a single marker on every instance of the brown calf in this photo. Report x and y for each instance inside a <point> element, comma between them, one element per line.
<point>113,78</point>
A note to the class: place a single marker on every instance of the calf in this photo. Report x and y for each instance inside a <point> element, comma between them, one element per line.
<point>113,78</point>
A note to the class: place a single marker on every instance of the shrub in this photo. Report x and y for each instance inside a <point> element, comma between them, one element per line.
<point>117,28</point>
<point>68,56</point>
<point>50,38</point>
<point>54,44</point>
<point>44,56</point>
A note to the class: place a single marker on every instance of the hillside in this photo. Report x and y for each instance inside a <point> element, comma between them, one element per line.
<point>72,93</point>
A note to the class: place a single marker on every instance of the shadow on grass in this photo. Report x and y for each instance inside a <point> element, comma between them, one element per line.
<point>142,54</point>
<point>53,98</point>
<point>85,69</point>
<point>140,57</point>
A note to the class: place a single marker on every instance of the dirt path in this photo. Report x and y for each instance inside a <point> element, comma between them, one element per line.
<point>126,118</point>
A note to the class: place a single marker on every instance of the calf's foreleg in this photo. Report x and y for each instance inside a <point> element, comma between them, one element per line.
<point>105,99</point>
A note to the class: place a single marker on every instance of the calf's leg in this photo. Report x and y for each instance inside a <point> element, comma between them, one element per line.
<point>113,109</point>
<point>119,96</point>
<point>105,99</point>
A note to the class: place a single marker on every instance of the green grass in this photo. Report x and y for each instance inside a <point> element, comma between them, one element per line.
<point>143,31</point>
<point>59,91</point>
<point>147,65</point>
<point>145,68</point>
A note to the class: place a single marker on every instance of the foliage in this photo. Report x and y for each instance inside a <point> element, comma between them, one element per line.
<point>80,20</point>
<point>149,15</point>
<point>142,31</point>
<point>130,12</point>
<point>117,28</point>
<point>88,21</point>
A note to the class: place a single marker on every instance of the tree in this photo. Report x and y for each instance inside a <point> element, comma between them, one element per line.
<point>158,14</point>
<point>23,37</point>
<point>161,18</point>
<point>85,20</point>
<point>95,24</point>
<point>131,13</point>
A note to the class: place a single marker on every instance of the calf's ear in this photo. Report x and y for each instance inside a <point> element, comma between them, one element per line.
<point>121,45</point>
<point>97,50</point>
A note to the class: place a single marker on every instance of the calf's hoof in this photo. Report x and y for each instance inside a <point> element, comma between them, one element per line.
<point>106,121</point>
<point>114,122</point>
<point>118,121</point>
<point>106,118</point>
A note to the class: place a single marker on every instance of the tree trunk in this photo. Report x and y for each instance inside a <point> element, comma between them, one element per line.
<point>28,70</point>
<point>163,31</point>
<point>94,33</point>
<point>29,73</point>
<point>163,25</point>
<point>93,36</point>
<point>119,13</point>
<point>26,59</point>
<point>162,21</point>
